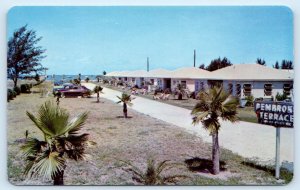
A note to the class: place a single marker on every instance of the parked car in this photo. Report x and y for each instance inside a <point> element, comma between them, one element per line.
<point>63,86</point>
<point>75,91</point>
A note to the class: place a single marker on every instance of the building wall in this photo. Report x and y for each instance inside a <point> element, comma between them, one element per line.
<point>258,87</point>
<point>200,85</point>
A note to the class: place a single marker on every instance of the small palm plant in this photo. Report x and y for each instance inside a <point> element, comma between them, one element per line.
<point>180,91</point>
<point>58,95</point>
<point>153,173</point>
<point>126,99</point>
<point>213,105</point>
<point>98,90</point>
<point>62,140</point>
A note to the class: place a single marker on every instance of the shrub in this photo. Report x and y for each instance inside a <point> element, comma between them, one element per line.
<point>17,90</point>
<point>120,83</point>
<point>280,97</point>
<point>192,95</point>
<point>14,93</point>
<point>9,95</point>
<point>25,88</point>
<point>250,100</point>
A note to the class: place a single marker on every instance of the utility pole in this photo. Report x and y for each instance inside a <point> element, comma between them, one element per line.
<point>147,64</point>
<point>194,58</point>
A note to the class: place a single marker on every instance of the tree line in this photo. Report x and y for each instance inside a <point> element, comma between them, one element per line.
<point>219,63</point>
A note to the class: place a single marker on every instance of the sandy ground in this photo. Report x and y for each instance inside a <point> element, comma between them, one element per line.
<point>249,140</point>
<point>133,140</point>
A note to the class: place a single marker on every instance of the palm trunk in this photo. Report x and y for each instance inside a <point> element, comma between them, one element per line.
<point>180,96</point>
<point>216,154</point>
<point>58,179</point>
<point>125,110</point>
<point>98,97</point>
<point>15,79</point>
<point>57,100</point>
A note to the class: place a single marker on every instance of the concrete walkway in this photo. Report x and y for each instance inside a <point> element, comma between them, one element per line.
<point>249,140</point>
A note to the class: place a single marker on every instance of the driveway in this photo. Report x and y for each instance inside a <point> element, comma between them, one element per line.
<point>249,140</point>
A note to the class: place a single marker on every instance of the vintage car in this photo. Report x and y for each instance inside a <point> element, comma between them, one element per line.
<point>63,86</point>
<point>71,90</point>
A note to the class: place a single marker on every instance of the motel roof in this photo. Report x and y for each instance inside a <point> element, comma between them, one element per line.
<point>191,73</point>
<point>137,73</point>
<point>160,73</point>
<point>252,72</point>
<point>242,72</point>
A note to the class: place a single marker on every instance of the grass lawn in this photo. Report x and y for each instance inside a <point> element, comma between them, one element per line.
<point>244,114</point>
<point>134,140</point>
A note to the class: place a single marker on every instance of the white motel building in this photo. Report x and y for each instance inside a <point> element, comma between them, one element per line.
<point>239,79</point>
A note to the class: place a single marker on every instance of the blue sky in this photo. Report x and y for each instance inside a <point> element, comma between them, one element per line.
<point>89,40</point>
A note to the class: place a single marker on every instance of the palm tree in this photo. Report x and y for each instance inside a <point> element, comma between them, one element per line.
<point>62,140</point>
<point>98,90</point>
<point>58,95</point>
<point>213,105</point>
<point>153,174</point>
<point>180,90</point>
<point>126,99</point>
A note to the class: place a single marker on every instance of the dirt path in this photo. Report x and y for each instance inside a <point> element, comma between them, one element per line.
<point>246,139</point>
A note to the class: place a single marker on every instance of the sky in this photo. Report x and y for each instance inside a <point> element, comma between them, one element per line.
<point>89,40</point>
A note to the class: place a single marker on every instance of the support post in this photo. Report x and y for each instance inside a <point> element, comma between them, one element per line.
<point>147,64</point>
<point>194,58</point>
<point>277,158</point>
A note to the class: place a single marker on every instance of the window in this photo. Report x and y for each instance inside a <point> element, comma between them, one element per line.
<point>268,89</point>
<point>238,89</point>
<point>247,89</point>
<point>125,78</point>
<point>133,79</point>
<point>152,81</point>
<point>287,89</point>
<point>202,86</point>
<point>230,88</point>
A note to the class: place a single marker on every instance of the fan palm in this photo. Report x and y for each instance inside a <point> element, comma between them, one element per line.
<point>180,91</point>
<point>153,174</point>
<point>98,90</point>
<point>213,105</point>
<point>58,95</point>
<point>126,99</point>
<point>62,140</point>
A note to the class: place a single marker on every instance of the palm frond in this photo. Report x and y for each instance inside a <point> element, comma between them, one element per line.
<point>53,119</point>
<point>33,146</point>
<point>47,165</point>
<point>198,117</point>
<point>75,145</point>
<point>202,106</point>
<point>229,116</point>
<point>37,123</point>
<point>76,123</point>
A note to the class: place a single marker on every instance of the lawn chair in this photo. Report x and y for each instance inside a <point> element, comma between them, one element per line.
<point>156,96</point>
<point>162,96</point>
<point>166,97</point>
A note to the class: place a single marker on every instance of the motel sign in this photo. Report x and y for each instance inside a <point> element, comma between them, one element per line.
<point>278,114</point>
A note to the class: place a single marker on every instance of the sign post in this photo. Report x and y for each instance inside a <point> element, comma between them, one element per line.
<point>277,114</point>
<point>277,158</point>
